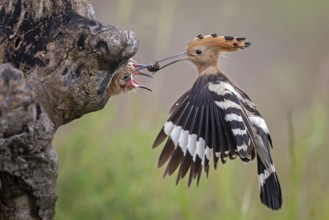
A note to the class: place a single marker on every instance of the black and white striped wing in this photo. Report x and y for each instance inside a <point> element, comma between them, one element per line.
<point>207,123</point>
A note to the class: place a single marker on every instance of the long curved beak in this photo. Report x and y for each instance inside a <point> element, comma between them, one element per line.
<point>155,66</point>
<point>177,56</point>
<point>139,67</point>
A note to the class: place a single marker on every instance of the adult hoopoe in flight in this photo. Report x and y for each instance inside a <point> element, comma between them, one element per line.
<point>216,120</point>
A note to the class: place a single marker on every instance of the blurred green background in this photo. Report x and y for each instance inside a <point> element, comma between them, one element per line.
<point>107,167</point>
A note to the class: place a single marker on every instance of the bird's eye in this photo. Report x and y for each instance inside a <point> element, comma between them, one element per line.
<point>125,77</point>
<point>198,51</point>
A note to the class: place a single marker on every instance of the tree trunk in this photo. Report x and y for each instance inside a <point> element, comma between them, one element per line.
<point>56,63</point>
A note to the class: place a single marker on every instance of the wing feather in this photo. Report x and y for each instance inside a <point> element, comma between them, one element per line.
<point>179,102</point>
<point>167,151</point>
<point>207,123</point>
<point>215,135</point>
<point>187,160</point>
<point>207,137</point>
<point>178,153</point>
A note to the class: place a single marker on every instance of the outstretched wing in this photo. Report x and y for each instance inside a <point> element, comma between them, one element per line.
<point>207,123</point>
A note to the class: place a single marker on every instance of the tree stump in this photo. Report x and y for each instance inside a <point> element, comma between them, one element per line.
<point>56,63</point>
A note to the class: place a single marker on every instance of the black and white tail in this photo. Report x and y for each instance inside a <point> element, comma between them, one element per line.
<point>269,186</point>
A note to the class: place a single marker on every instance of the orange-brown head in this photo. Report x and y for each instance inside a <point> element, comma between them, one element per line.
<point>204,51</point>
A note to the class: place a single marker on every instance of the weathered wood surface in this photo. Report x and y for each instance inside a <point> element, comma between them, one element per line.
<point>56,63</point>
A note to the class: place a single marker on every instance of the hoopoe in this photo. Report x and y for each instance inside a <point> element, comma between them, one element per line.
<point>123,81</point>
<point>216,120</point>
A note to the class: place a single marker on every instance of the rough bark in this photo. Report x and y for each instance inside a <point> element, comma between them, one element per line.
<point>56,63</point>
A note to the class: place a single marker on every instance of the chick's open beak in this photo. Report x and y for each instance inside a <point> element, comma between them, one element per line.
<point>139,67</point>
<point>132,83</point>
